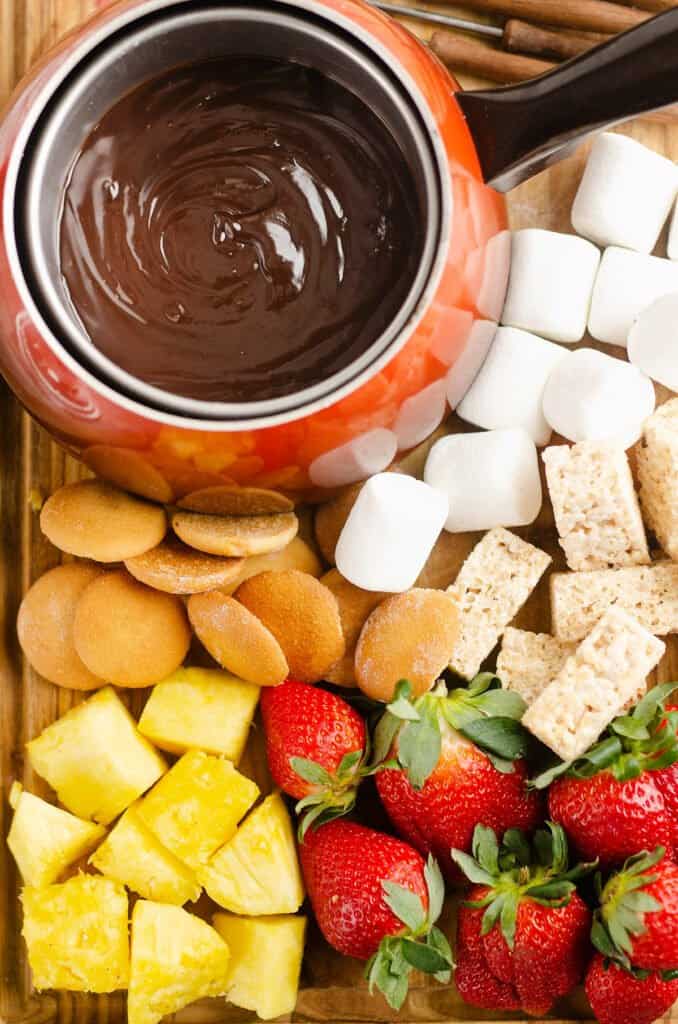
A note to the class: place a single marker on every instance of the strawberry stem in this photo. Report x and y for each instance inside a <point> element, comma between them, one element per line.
<point>419,946</point>
<point>623,906</point>
<point>483,712</point>
<point>517,870</point>
<point>646,739</point>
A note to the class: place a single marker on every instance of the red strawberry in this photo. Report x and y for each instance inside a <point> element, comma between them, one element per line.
<point>622,795</point>
<point>458,765</point>
<point>315,745</point>
<point>618,997</point>
<point>523,931</point>
<point>375,898</point>
<point>637,923</point>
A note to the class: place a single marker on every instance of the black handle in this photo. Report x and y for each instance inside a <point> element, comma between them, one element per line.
<point>520,129</point>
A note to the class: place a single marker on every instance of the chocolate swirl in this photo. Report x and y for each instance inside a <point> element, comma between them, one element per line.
<point>237,230</point>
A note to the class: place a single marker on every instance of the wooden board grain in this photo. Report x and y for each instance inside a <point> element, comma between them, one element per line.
<point>30,466</point>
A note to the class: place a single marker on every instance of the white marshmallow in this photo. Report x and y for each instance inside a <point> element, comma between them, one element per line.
<point>509,390</point>
<point>390,532</point>
<point>550,284</point>
<point>364,455</point>
<point>590,396</point>
<point>625,194</point>
<point>465,370</point>
<point>490,479</point>
<point>653,341</point>
<point>420,415</point>
<point>627,283</point>
<point>672,241</point>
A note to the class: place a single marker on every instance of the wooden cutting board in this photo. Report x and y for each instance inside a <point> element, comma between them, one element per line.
<point>32,466</point>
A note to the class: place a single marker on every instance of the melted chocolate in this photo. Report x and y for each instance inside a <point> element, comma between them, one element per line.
<point>237,230</point>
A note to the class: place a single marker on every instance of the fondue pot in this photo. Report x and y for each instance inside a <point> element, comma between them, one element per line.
<point>462,150</point>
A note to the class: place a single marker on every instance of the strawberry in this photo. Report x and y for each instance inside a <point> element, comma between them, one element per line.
<point>617,996</point>
<point>622,795</point>
<point>315,745</point>
<point>637,921</point>
<point>523,930</point>
<point>454,760</point>
<point>376,899</point>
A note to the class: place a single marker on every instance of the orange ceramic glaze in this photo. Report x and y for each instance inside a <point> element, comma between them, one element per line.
<point>335,441</point>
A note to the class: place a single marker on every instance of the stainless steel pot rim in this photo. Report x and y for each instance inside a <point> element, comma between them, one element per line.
<point>124,390</point>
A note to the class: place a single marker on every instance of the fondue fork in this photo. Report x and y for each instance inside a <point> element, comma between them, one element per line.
<point>516,36</point>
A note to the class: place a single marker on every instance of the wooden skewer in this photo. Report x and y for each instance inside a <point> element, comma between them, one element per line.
<point>522,37</point>
<point>462,54</point>
<point>656,6</point>
<point>596,15</point>
<point>516,36</point>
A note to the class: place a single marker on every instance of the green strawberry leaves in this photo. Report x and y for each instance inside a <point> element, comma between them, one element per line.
<point>516,870</point>
<point>405,904</point>
<point>623,905</point>
<point>420,946</point>
<point>334,794</point>
<point>483,712</point>
<point>646,739</point>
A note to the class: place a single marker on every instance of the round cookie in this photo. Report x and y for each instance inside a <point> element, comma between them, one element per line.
<point>295,555</point>
<point>303,616</point>
<point>128,633</point>
<point>45,626</point>
<point>93,519</point>
<point>236,501</point>
<point>177,569</point>
<point>355,605</point>
<point>130,470</point>
<point>408,636</point>
<point>235,536</point>
<point>237,639</point>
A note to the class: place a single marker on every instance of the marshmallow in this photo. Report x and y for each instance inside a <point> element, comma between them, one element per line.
<point>420,415</point>
<point>627,283</point>
<point>490,479</point>
<point>366,454</point>
<point>625,194</point>
<point>672,241</point>
<point>590,396</point>
<point>509,390</point>
<point>550,284</point>
<point>467,366</point>
<point>390,532</point>
<point>653,341</point>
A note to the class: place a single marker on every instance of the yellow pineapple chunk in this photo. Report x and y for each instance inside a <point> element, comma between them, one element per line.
<point>134,857</point>
<point>269,948</point>
<point>197,806</point>
<point>46,840</point>
<point>95,758</point>
<point>176,959</point>
<point>257,872</point>
<point>202,709</point>
<point>76,934</point>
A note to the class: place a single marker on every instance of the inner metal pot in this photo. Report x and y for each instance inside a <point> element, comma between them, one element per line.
<point>183,33</point>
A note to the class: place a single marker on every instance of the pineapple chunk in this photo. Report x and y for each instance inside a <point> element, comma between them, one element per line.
<point>46,840</point>
<point>197,806</point>
<point>263,947</point>
<point>95,758</point>
<point>133,856</point>
<point>76,934</point>
<point>176,959</point>
<point>257,872</point>
<point>202,709</point>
